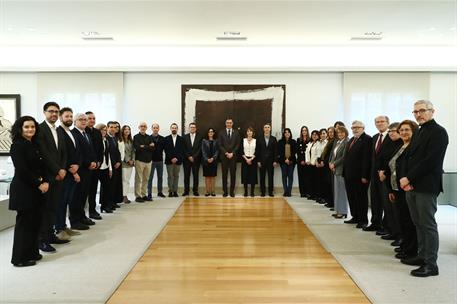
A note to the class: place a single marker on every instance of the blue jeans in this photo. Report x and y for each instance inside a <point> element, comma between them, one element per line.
<point>66,196</point>
<point>287,177</point>
<point>156,165</point>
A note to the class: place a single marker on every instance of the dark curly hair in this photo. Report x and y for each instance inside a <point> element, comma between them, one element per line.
<point>16,129</point>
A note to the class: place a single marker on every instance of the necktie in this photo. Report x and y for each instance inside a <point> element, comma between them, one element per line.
<point>86,137</point>
<point>378,144</point>
<point>229,134</point>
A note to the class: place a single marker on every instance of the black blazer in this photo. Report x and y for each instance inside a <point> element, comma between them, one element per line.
<point>207,152</point>
<point>380,161</point>
<point>87,154</point>
<point>72,150</point>
<point>178,151</point>
<point>228,145</point>
<point>357,162</point>
<point>29,173</point>
<point>54,158</point>
<point>281,150</point>
<point>424,166</point>
<point>97,142</point>
<point>114,153</point>
<point>196,150</point>
<point>301,150</point>
<point>266,154</point>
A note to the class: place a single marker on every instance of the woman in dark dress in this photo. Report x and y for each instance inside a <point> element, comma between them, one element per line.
<point>210,153</point>
<point>287,160</point>
<point>26,191</point>
<point>302,168</point>
<point>248,165</point>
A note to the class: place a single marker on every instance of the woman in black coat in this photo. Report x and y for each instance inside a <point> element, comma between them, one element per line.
<point>287,159</point>
<point>26,191</point>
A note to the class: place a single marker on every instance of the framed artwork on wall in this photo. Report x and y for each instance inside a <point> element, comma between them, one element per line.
<point>247,105</point>
<point>10,110</point>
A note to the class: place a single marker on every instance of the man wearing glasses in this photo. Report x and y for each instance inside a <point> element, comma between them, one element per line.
<point>143,145</point>
<point>422,182</point>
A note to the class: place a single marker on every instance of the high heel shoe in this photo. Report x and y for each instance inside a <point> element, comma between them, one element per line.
<point>106,210</point>
<point>207,194</point>
<point>334,214</point>
<point>340,216</point>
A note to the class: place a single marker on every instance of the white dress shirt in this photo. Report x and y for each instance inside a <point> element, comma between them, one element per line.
<point>249,147</point>
<point>54,133</point>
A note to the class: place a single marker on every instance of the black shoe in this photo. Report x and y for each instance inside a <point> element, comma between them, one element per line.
<point>245,193</point>
<point>175,194</point>
<point>106,210</point>
<point>186,193</point>
<point>45,247</point>
<point>271,195</point>
<point>396,243</point>
<point>95,216</point>
<point>116,206</point>
<point>398,249</point>
<point>196,194</point>
<point>147,198</point>
<point>262,194</point>
<point>25,264</point>
<point>213,194</point>
<point>302,195</point>
<point>351,221</point>
<point>160,194</point>
<point>425,271</point>
<point>388,237</point>
<point>382,232</point>
<point>413,261</point>
<point>225,195</point>
<point>332,209</point>
<point>79,226</point>
<point>401,255</point>
<point>87,222</point>
<point>139,200</point>
<point>56,240</point>
<point>207,194</point>
<point>361,226</point>
<point>371,228</point>
<point>232,194</point>
<point>170,194</point>
<point>37,257</point>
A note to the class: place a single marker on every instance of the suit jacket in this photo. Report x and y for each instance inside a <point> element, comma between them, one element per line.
<point>113,148</point>
<point>177,151</point>
<point>266,154</point>
<point>54,158</point>
<point>424,167</point>
<point>338,159</point>
<point>207,152</point>
<point>281,150</point>
<point>97,142</point>
<point>301,150</point>
<point>196,150</point>
<point>380,160</point>
<point>230,145</point>
<point>87,154</point>
<point>357,161</point>
<point>72,150</point>
<point>29,173</point>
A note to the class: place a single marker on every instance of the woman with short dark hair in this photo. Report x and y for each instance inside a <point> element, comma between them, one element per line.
<point>26,191</point>
<point>210,154</point>
<point>248,165</point>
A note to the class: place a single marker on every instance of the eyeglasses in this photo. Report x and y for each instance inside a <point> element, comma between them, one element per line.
<point>140,126</point>
<point>421,111</point>
<point>356,127</point>
<point>393,131</point>
<point>405,130</point>
<point>53,111</point>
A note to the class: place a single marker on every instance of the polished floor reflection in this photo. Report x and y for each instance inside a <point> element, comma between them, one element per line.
<point>237,251</point>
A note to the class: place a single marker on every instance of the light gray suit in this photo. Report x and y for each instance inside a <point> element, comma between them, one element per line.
<point>341,200</point>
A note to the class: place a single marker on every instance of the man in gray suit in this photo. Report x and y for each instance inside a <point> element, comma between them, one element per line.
<point>52,148</point>
<point>229,143</point>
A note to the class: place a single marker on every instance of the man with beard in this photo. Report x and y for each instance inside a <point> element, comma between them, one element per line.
<point>174,155</point>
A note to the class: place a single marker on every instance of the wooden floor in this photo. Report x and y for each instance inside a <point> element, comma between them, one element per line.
<point>237,251</point>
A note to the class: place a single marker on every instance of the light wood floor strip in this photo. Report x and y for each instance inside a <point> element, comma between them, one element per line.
<point>237,251</point>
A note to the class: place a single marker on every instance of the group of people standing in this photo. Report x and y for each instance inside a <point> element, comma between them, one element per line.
<point>400,169</point>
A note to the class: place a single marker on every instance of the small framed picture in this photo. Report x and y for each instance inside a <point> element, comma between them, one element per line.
<point>10,110</point>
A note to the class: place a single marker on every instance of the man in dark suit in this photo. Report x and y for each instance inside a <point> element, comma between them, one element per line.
<point>72,177</point>
<point>229,143</point>
<point>174,155</point>
<point>266,159</point>
<point>423,181</point>
<point>381,150</point>
<point>88,161</point>
<point>97,143</point>
<point>52,148</point>
<point>193,148</point>
<point>356,172</point>
<point>115,155</point>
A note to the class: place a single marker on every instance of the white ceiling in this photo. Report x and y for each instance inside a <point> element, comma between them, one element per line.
<point>197,23</point>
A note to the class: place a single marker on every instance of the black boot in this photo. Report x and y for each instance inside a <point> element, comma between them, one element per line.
<point>252,190</point>
<point>245,190</point>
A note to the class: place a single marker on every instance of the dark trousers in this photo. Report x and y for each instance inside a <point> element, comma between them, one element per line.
<point>303,180</point>
<point>314,181</point>
<point>287,177</point>
<point>78,202</point>
<point>66,196</point>
<point>156,166</point>
<point>422,207</point>
<point>266,169</point>
<point>228,164</point>
<point>117,191</point>
<point>106,189</point>
<point>48,214</point>
<point>357,193</point>
<point>407,228</point>
<point>93,190</point>
<point>194,168</point>
<point>26,233</point>
<point>378,196</point>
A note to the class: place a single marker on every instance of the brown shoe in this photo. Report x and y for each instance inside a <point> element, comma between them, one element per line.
<point>71,232</point>
<point>62,235</point>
